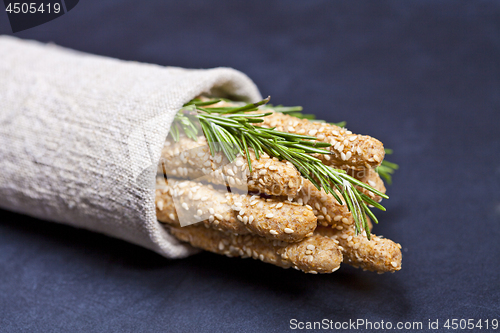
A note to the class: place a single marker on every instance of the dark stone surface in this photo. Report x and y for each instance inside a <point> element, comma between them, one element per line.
<point>422,76</point>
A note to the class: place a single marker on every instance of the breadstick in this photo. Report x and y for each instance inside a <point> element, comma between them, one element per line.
<point>378,254</point>
<point>239,214</point>
<point>316,254</point>
<point>348,149</point>
<point>326,208</point>
<point>192,159</point>
<point>370,177</point>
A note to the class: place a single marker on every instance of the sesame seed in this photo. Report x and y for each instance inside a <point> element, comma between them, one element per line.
<point>352,138</point>
<point>372,183</point>
<point>261,257</point>
<point>279,205</point>
<point>342,155</point>
<point>312,132</point>
<point>185,206</point>
<point>309,207</point>
<point>288,231</point>
<point>204,198</point>
<point>239,218</point>
<point>311,247</point>
<point>348,155</point>
<point>269,215</point>
<point>171,216</point>
<point>245,219</point>
<point>273,232</point>
<point>301,131</point>
<point>327,157</point>
<point>211,218</point>
<point>199,212</point>
<point>323,210</point>
<point>273,167</point>
<point>345,220</point>
<point>394,264</point>
<point>211,210</point>
<point>242,212</point>
<point>218,216</point>
<point>221,246</point>
<point>250,219</point>
<point>254,202</point>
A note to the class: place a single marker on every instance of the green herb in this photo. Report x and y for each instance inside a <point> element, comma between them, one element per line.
<point>385,170</point>
<point>230,130</point>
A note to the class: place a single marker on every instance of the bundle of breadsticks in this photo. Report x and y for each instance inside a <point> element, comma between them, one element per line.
<point>280,217</point>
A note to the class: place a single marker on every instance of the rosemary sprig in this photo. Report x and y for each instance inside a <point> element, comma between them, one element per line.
<point>230,130</point>
<point>385,170</point>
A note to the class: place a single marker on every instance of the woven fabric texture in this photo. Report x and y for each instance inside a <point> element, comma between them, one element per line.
<point>81,135</point>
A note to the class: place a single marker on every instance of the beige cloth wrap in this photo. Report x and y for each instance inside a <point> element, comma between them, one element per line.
<point>81,135</point>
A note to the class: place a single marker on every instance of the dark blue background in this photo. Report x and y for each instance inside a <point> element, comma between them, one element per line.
<point>422,76</point>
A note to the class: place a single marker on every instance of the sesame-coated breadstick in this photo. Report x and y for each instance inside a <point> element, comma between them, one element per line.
<point>241,214</point>
<point>348,149</point>
<point>192,159</point>
<point>378,254</point>
<point>315,254</point>
<point>370,177</point>
<point>326,208</point>
<point>335,221</point>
